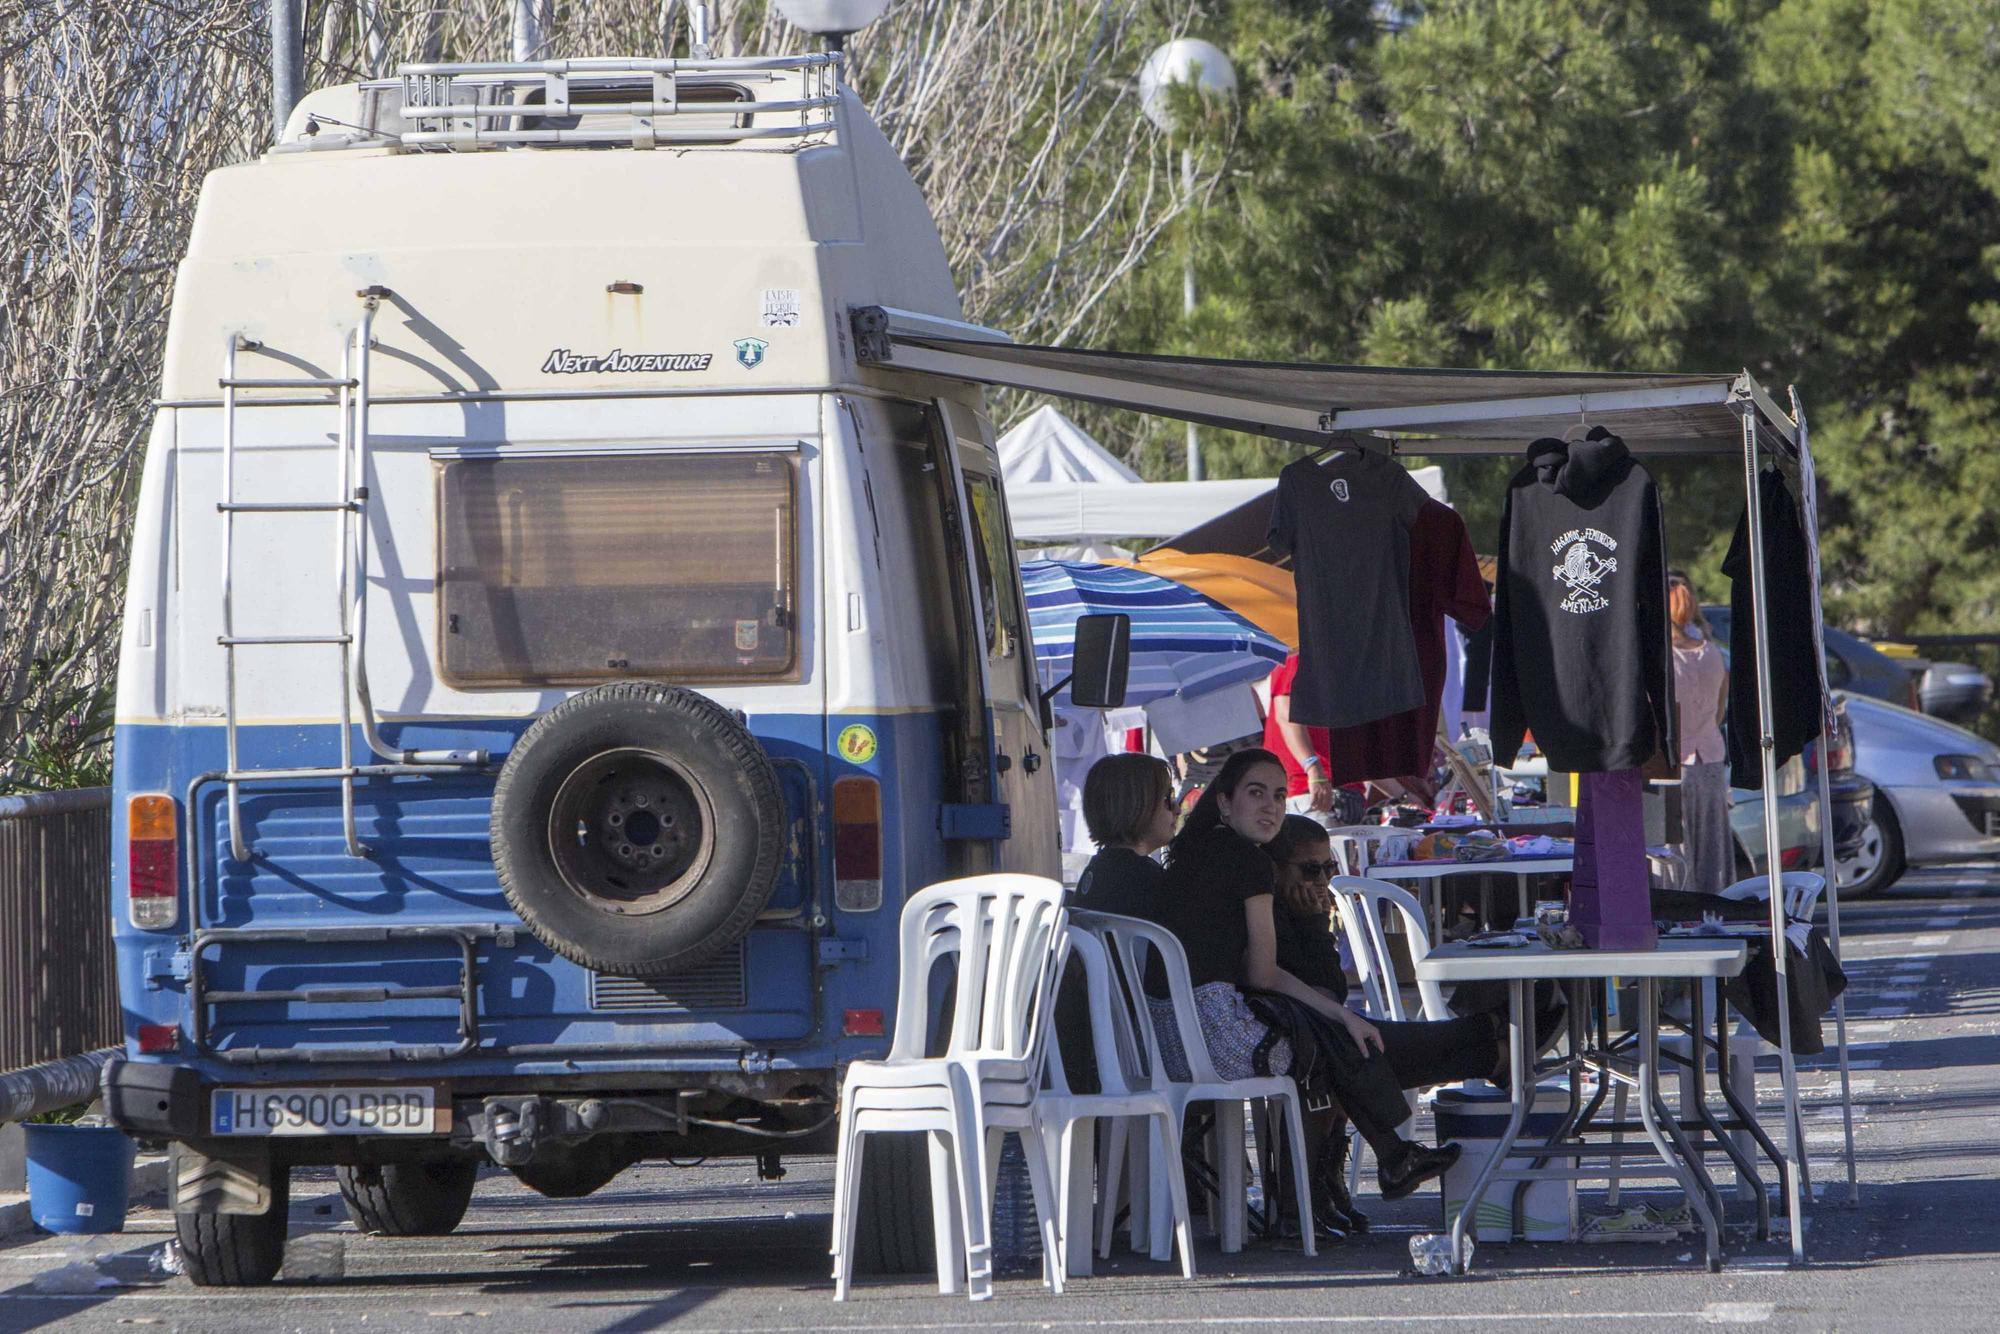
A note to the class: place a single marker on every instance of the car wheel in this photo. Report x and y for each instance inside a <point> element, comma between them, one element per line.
<point>1878,862</point>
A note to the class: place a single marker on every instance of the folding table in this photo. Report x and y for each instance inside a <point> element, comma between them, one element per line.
<point>1521,966</point>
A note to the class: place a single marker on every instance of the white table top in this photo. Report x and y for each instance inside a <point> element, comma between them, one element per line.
<point>1433,870</point>
<point>1460,962</point>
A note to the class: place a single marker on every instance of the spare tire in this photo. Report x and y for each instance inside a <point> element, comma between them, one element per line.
<point>637,828</point>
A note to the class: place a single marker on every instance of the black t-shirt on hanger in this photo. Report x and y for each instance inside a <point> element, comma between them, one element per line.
<point>1346,524</point>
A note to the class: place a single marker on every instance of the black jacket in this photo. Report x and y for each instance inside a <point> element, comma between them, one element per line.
<point>1580,647</point>
<point>1798,709</point>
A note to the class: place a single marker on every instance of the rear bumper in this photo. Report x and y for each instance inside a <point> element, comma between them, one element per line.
<point>1853,807</point>
<point>153,1101</point>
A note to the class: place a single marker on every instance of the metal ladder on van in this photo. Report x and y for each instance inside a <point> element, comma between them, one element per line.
<point>350,637</point>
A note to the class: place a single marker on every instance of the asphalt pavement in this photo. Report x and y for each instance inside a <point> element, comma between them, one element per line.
<point>709,1248</point>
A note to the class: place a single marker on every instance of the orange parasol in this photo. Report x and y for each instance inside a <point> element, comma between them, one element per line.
<point>1260,593</point>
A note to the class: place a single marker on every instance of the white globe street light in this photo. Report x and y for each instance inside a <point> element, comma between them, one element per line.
<point>1188,60</point>
<point>1185,62</point>
<point>833,20</point>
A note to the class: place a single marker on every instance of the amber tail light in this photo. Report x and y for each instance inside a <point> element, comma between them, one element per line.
<point>152,838</point>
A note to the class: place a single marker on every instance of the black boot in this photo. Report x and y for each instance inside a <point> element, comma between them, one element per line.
<point>1417,1164</point>
<point>1333,1207</point>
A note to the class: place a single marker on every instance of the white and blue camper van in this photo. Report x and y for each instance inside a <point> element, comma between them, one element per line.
<point>552,653</point>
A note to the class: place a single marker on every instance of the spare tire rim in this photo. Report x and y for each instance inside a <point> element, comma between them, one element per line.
<point>631,832</point>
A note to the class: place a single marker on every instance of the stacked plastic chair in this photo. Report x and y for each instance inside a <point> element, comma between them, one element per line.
<point>1009,938</point>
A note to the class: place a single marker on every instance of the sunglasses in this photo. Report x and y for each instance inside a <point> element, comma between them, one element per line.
<point>1318,870</point>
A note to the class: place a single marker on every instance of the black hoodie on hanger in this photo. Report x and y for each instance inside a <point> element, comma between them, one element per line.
<point>1580,647</point>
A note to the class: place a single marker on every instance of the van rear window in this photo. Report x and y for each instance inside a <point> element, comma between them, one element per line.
<point>587,568</point>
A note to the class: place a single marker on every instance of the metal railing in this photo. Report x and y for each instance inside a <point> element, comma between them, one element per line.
<point>643,103</point>
<point>58,982</point>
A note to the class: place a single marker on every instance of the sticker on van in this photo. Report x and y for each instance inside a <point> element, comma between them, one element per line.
<point>856,744</point>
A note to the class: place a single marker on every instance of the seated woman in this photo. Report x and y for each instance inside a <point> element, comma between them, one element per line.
<point>1422,1053</point>
<point>1256,1016</point>
<point>1128,807</point>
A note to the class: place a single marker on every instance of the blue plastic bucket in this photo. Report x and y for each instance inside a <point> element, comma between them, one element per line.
<point>79,1177</point>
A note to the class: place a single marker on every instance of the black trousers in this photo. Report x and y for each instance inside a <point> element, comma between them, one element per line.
<point>1422,1053</point>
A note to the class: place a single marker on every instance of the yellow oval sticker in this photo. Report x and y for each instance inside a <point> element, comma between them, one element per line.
<point>856,744</point>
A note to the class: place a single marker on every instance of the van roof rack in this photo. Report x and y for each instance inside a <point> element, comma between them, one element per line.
<point>614,100</point>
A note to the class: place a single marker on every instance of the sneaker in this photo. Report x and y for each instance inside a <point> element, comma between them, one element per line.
<point>1631,1224</point>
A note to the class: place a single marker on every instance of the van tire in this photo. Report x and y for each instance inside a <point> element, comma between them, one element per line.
<point>655,757</point>
<point>408,1199</point>
<point>237,1250</point>
<point>893,1233</point>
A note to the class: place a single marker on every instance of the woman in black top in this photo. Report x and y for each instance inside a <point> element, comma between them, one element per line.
<point>1128,807</point>
<point>1257,1017</point>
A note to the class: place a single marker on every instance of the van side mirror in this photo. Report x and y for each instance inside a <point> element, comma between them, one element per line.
<point>1100,663</point>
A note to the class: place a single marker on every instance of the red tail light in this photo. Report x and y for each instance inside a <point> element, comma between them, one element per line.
<point>152,867</point>
<point>158,1037</point>
<point>1792,858</point>
<point>857,844</point>
<point>862,1024</point>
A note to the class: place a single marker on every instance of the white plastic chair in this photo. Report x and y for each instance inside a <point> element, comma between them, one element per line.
<point>1802,891</point>
<point>1354,845</point>
<point>1359,903</point>
<point>1128,1094</point>
<point>1132,940</point>
<point>1008,934</point>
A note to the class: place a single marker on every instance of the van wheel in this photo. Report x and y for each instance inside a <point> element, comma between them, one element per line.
<point>237,1250</point>
<point>893,1233</point>
<point>408,1199</point>
<point>638,829</point>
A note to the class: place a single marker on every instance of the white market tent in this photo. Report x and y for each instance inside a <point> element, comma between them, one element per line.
<point>1727,416</point>
<point>1062,486</point>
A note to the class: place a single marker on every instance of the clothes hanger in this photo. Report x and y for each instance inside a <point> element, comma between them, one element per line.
<point>1582,427</point>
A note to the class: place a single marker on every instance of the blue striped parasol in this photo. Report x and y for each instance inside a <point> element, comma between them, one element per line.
<point>1182,643</point>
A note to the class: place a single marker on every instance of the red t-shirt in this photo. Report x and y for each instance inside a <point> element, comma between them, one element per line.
<point>1444,581</point>
<point>1296,783</point>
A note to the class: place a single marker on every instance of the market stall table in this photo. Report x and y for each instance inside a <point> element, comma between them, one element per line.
<point>1521,966</point>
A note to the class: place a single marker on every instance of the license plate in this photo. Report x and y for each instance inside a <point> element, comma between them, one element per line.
<point>363,1110</point>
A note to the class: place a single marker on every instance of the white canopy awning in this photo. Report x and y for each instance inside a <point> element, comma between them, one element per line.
<point>1045,446</point>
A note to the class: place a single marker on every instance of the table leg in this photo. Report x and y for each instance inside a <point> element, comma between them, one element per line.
<point>1671,1150</point>
<point>1577,1114</point>
<point>1746,1167</point>
<point>1519,1045</point>
<point>1747,1115</point>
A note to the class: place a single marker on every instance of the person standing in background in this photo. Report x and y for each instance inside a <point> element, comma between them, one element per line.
<point>1701,692</point>
<point>1304,753</point>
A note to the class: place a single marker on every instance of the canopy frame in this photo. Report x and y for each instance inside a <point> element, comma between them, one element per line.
<point>1402,411</point>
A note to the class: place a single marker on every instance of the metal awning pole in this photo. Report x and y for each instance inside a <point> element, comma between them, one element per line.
<point>1828,863</point>
<point>1760,622</point>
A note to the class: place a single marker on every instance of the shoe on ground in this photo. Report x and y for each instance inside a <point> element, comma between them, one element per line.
<point>1420,1163</point>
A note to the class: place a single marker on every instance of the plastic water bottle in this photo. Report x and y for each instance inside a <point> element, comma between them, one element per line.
<point>1017,1238</point>
<point>1430,1252</point>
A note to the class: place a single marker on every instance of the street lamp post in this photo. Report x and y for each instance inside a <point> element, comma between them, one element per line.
<point>1188,60</point>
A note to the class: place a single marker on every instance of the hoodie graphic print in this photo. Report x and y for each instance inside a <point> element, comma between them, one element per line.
<point>1580,650</point>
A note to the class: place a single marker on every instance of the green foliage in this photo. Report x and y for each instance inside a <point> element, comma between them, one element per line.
<point>65,736</point>
<point>1802,187</point>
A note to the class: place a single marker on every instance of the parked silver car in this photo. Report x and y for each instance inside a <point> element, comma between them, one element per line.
<point>1937,794</point>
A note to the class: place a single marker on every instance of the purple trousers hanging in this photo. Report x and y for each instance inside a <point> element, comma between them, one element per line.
<point>1609,900</point>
